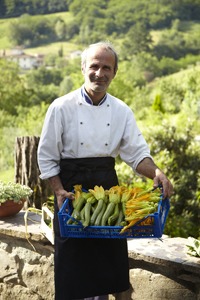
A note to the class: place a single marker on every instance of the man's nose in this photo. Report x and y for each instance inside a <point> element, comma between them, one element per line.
<point>99,72</point>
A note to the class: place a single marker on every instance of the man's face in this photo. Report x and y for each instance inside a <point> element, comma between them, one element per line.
<point>98,70</point>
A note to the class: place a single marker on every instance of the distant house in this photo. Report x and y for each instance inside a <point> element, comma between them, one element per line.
<point>75,54</point>
<point>25,61</point>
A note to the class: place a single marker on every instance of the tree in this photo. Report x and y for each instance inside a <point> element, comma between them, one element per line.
<point>43,76</point>
<point>71,30</point>
<point>179,157</point>
<point>57,5</point>
<point>91,16</point>
<point>157,104</point>
<point>20,34</point>
<point>31,32</point>
<point>187,9</point>
<point>2,9</point>
<point>137,40</point>
<point>66,85</point>
<point>12,87</point>
<point>11,6</point>
<point>60,29</point>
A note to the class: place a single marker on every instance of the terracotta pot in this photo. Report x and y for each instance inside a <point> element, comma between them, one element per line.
<point>10,208</point>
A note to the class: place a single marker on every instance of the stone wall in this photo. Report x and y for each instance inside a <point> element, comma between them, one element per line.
<point>25,273</point>
<point>159,269</point>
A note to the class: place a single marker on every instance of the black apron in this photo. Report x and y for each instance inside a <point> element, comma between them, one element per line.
<point>89,267</point>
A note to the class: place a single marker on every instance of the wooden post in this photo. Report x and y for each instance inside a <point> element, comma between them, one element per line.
<point>27,171</point>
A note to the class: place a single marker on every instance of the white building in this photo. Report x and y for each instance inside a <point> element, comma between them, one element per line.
<point>25,61</point>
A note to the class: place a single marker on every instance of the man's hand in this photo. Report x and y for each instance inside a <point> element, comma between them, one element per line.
<point>148,168</point>
<point>60,193</point>
<point>160,178</point>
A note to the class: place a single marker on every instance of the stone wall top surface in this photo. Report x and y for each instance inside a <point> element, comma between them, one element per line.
<point>165,251</point>
<point>15,226</point>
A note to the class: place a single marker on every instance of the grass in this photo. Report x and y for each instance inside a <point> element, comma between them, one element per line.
<point>7,175</point>
<point>53,48</point>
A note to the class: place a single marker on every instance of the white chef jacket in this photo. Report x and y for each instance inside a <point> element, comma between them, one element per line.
<point>74,128</point>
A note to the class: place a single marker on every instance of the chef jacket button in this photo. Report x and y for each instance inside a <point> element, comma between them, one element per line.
<point>80,103</point>
<point>108,124</point>
<point>108,105</point>
<point>81,144</point>
<point>106,144</point>
<point>81,123</point>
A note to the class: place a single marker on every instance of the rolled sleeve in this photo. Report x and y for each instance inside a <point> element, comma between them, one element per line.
<point>133,147</point>
<point>48,169</point>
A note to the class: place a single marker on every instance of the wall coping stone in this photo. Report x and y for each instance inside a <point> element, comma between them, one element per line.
<point>15,226</point>
<point>168,252</point>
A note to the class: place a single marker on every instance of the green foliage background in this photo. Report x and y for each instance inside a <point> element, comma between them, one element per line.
<point>159,78</point>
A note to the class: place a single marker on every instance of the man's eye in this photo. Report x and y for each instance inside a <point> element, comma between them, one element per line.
<point>94,67</point>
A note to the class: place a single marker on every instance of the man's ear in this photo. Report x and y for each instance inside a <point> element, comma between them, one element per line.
<point>115,73</point>
<point>83,69</point>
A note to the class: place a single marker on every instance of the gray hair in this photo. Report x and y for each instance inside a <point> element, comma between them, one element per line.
<point>106,45</point>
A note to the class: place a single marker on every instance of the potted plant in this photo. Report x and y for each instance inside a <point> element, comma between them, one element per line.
<point>12,197</point>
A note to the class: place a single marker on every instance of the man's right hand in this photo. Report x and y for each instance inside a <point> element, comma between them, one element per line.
<point>60,193</point>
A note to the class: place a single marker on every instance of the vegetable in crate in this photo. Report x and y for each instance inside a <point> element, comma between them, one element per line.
<point>126,195</point>
<point>100,215</point>
<point>118,206</point>
<point>141,205</point>
<point>78,203</point>
<point>87,211</point>
<point>81,201</point>
<point>112,210</point>
<point>77,194</point>
<point>100,195</point>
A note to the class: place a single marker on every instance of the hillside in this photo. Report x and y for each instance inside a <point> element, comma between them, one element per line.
<point>6,44</point>
<point>168,30</point>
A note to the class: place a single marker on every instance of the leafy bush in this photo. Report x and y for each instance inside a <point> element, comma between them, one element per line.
<point>31,32</point>
<point>10,98</point>
<point>178,155</point>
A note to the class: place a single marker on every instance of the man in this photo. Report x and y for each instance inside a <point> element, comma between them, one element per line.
<point>82,134</point>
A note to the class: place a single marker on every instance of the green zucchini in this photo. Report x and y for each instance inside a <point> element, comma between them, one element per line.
<point>109,210</point>
<point>88,207</point>
<point>100,215</point>
<point>120,217</point>
<point>112,219</point>
<point>82,214</point>
<point>96,211</point>
<point>75,216</point>
<point>79,207</point>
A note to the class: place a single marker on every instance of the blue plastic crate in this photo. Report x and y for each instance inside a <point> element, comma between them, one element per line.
<point>155,230</point>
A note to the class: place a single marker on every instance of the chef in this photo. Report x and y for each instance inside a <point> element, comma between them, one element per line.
<point>83,132</point>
